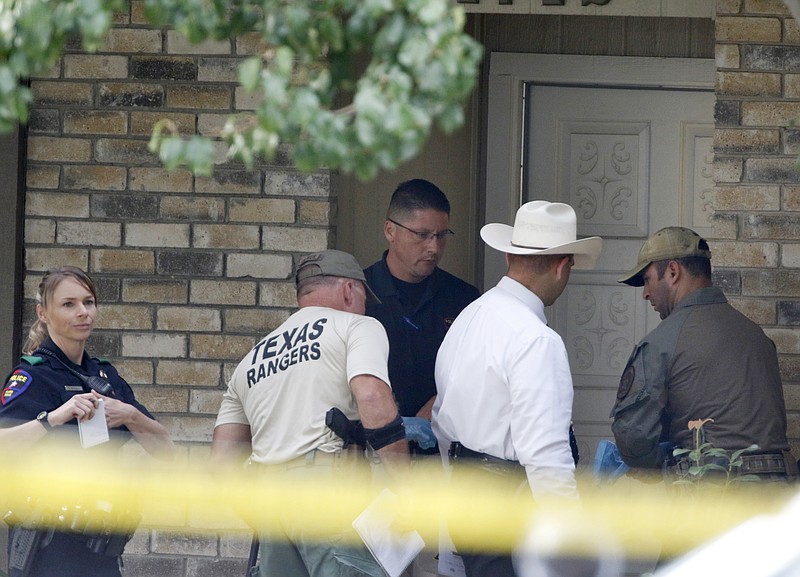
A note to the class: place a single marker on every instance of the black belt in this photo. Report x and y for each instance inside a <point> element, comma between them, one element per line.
<point>458,451</point>
<point>767,463</point>
<point>760,464</point>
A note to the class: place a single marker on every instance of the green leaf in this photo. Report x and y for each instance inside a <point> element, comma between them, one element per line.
<point>250,74</point>
<point>418,67</point>
<point>432,11</point>
<point>199,155</point>
<point>170,152</point>
<point>713,452</point>
<point>696,471</point>
<point>714,467</point>
<point>451,119</point>
<point>737,454</point>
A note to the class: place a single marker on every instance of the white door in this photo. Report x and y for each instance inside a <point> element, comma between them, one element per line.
<point>627,142</point>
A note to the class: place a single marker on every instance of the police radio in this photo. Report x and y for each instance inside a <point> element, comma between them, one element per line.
<point>98,384</point>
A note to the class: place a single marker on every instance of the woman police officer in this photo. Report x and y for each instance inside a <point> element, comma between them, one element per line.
<point>48,391</point>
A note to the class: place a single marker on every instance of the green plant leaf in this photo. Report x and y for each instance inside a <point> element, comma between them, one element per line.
<point>250,74</point>
<point>419,67</point>
<point>714,452</point>
<point>708,467</point>
<point>737,454</point>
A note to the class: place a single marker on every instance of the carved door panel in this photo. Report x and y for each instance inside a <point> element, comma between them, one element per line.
<point>630,162</point>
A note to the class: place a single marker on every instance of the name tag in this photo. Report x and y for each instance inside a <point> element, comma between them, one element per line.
<point>73,388</point>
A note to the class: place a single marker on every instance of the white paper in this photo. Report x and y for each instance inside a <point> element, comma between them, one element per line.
<point>393,550</point>
<point>450,563</point>
<point>94,431</point>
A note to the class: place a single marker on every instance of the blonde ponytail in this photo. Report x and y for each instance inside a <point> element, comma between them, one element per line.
<point>36,336</point>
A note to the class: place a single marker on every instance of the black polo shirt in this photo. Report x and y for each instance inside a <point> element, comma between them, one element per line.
<point>416,331</point>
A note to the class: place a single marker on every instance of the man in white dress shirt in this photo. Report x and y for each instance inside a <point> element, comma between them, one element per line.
<point>502,375</point>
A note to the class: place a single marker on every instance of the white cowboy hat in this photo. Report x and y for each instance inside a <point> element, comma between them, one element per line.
<point>542,227</point>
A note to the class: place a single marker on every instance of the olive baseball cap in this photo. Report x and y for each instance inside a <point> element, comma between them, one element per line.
<point>334,263</point>
<point>668,243</point>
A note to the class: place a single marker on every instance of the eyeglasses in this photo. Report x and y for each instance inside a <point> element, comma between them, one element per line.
<point>425,236</point>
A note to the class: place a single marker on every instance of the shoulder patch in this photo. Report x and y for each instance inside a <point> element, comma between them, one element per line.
<point>32,359</point>
<point>17,384</point>
<point>625,382</point>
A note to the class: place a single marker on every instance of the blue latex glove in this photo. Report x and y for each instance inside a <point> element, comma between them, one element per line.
<point>419,430</point>
<point>608,464</point>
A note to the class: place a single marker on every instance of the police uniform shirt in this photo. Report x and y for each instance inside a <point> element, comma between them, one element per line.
<point>505,388</point>
<point>415,331</point>
<point>285,385</point>
<point>705,360</point>
<point>42,383</point>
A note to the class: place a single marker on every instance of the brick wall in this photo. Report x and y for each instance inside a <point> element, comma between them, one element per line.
<point>191,271</point>
<point>757,201</point>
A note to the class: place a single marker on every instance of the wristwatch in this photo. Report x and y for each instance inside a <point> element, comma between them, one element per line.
<point>42,418</point>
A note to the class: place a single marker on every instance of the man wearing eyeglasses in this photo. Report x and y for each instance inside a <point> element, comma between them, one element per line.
<point>419,301</point>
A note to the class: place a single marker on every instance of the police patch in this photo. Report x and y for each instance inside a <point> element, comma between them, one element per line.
<point>17,383</point>
<point>625,382</point>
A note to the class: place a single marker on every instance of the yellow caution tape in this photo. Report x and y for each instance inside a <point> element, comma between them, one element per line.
<point>482,510</point>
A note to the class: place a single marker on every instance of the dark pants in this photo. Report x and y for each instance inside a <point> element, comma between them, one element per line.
<point>488,565</point>
<point>66,555</point>
<point>510,474</point>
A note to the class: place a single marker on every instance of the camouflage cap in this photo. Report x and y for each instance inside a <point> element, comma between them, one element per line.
<point>334,263</point>
<point>672,242</point>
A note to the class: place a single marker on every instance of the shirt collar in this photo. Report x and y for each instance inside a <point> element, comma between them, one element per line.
<point>704,296</point>
<point>521,293</point>
<point>381,281</point>
<point>53,347</point>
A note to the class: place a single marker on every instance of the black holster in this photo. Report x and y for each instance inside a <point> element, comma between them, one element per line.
<point>111,545</point>
<point>351,432</point>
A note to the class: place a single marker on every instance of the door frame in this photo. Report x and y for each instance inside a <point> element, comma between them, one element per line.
<point>509,73</point>
<point>12,194</point>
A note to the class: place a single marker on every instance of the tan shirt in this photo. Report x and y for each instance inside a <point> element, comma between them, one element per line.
<point>284,386</point>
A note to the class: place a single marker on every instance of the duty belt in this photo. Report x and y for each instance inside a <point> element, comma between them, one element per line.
<point>768,463</point>
<point>458,451</point>
<point>760,464</point>
<point>315,457</point>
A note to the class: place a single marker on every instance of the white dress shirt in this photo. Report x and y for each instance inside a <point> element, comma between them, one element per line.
<point>504,387</point>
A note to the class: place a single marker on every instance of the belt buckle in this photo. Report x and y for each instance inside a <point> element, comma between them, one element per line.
<point>453,450</point>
